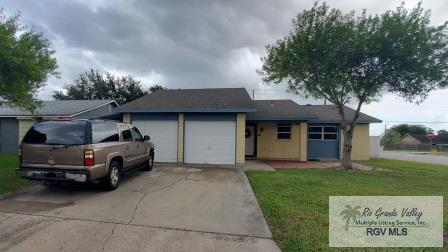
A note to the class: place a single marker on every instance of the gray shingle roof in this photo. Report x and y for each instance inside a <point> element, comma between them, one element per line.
<point>289,110</point>
<point>268,110</point>
<point>330,114</point>
<point>420,137</point>
<point>193,100</point>
<point>56,108</point>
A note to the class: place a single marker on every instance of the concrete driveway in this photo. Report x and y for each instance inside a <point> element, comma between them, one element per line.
<point>167,209</point>
<point>418,157</point>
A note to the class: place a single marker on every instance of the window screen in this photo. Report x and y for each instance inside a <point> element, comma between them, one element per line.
<point>329,133</point>
<point>283,131</point>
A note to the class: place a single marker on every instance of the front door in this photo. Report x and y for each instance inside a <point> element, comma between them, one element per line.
<point>250,140</point>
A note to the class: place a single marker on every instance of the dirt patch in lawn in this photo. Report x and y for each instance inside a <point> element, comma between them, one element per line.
<point>317,165</point>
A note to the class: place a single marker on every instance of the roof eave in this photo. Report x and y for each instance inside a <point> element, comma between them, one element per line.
<point>302,119</point>
<point>339,121</point>
<point>186,110</point>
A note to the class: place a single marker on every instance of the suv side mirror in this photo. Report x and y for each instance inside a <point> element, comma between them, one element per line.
<point>146,138</point>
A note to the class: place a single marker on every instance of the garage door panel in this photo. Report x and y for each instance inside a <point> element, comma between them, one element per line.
<point>210,142</point>
<point>163,134</point>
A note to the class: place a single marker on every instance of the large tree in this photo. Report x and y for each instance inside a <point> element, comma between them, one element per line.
<point>403,129</point>
<point>394,134</point>
<point>94,84</point>
<point>156,88</point>
<point>26,62</point>
<point>350,59</point>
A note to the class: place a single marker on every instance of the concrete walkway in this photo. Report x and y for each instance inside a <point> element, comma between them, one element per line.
<point>257,165</point>
<point>418,157</point>
<point>167,209</point>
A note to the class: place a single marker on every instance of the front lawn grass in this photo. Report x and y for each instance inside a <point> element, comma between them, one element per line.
<point>8,180</point>
<point>295,202</point>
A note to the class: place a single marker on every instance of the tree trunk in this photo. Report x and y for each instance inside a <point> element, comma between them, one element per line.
<point>346,161</point>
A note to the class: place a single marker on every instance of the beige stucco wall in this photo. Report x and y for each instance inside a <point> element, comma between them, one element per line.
<point>180,139</point>
<point>360,142</point>
<point>127,118</point>
<point>240,138</point>
<point>303,141</point>
<point>24,126</point>
<point>269,147</point>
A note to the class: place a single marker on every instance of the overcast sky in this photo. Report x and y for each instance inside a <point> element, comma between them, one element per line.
<point>195,44</point>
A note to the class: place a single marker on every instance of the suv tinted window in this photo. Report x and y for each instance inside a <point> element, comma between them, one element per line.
<point>126,132</point>
<point>57,132</point>
<point>136,134</point>
<point>103,132</point>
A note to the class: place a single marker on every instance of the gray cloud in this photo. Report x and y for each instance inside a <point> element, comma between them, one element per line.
<point>183,44</point>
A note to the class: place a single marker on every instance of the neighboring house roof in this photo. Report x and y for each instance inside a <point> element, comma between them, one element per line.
<point>57,108</point>
<point>193,100</point>
<point>419,137</point>
<point>441,139</point>
<point>271,110</point>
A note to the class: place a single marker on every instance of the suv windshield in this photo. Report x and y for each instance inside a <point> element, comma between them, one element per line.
<point>57,133</point>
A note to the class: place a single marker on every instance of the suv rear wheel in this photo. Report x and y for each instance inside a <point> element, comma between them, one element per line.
<point>112,179</point>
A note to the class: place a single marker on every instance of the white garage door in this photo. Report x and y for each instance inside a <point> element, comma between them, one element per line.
<point>164,135</point>
<point>209,142</point>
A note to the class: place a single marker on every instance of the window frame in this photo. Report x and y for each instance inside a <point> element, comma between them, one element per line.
<point>289,133</point>
<point>322,133</point>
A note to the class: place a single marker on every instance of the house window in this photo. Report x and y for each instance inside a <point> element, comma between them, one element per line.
<point>284,131</point>
<point>327,133</point>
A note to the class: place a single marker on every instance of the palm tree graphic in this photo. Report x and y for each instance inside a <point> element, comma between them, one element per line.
<point>350,213</point>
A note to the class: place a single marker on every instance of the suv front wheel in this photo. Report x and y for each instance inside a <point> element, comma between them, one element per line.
<point>150,163</point>
<point>112,179</point>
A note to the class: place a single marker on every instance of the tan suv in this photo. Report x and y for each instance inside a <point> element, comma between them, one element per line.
<point>83,151</point>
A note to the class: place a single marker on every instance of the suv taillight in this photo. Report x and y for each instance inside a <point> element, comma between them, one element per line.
<point>20,154</point>
<point>89,158</point>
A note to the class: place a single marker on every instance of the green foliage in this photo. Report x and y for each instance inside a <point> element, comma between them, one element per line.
<point>8,179</point>
<point>26,62</point>
<point>93,85</point>
<point>342,57</point>
<point>390,138</point>
<point>395,133</point>
<point>295,202</point>
<point>403,129</point>
<point>156,88</point>
<point>346,58</point>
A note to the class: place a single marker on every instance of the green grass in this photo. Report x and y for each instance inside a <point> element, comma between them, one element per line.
<point>8,180</point>
<point>295,202</point>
